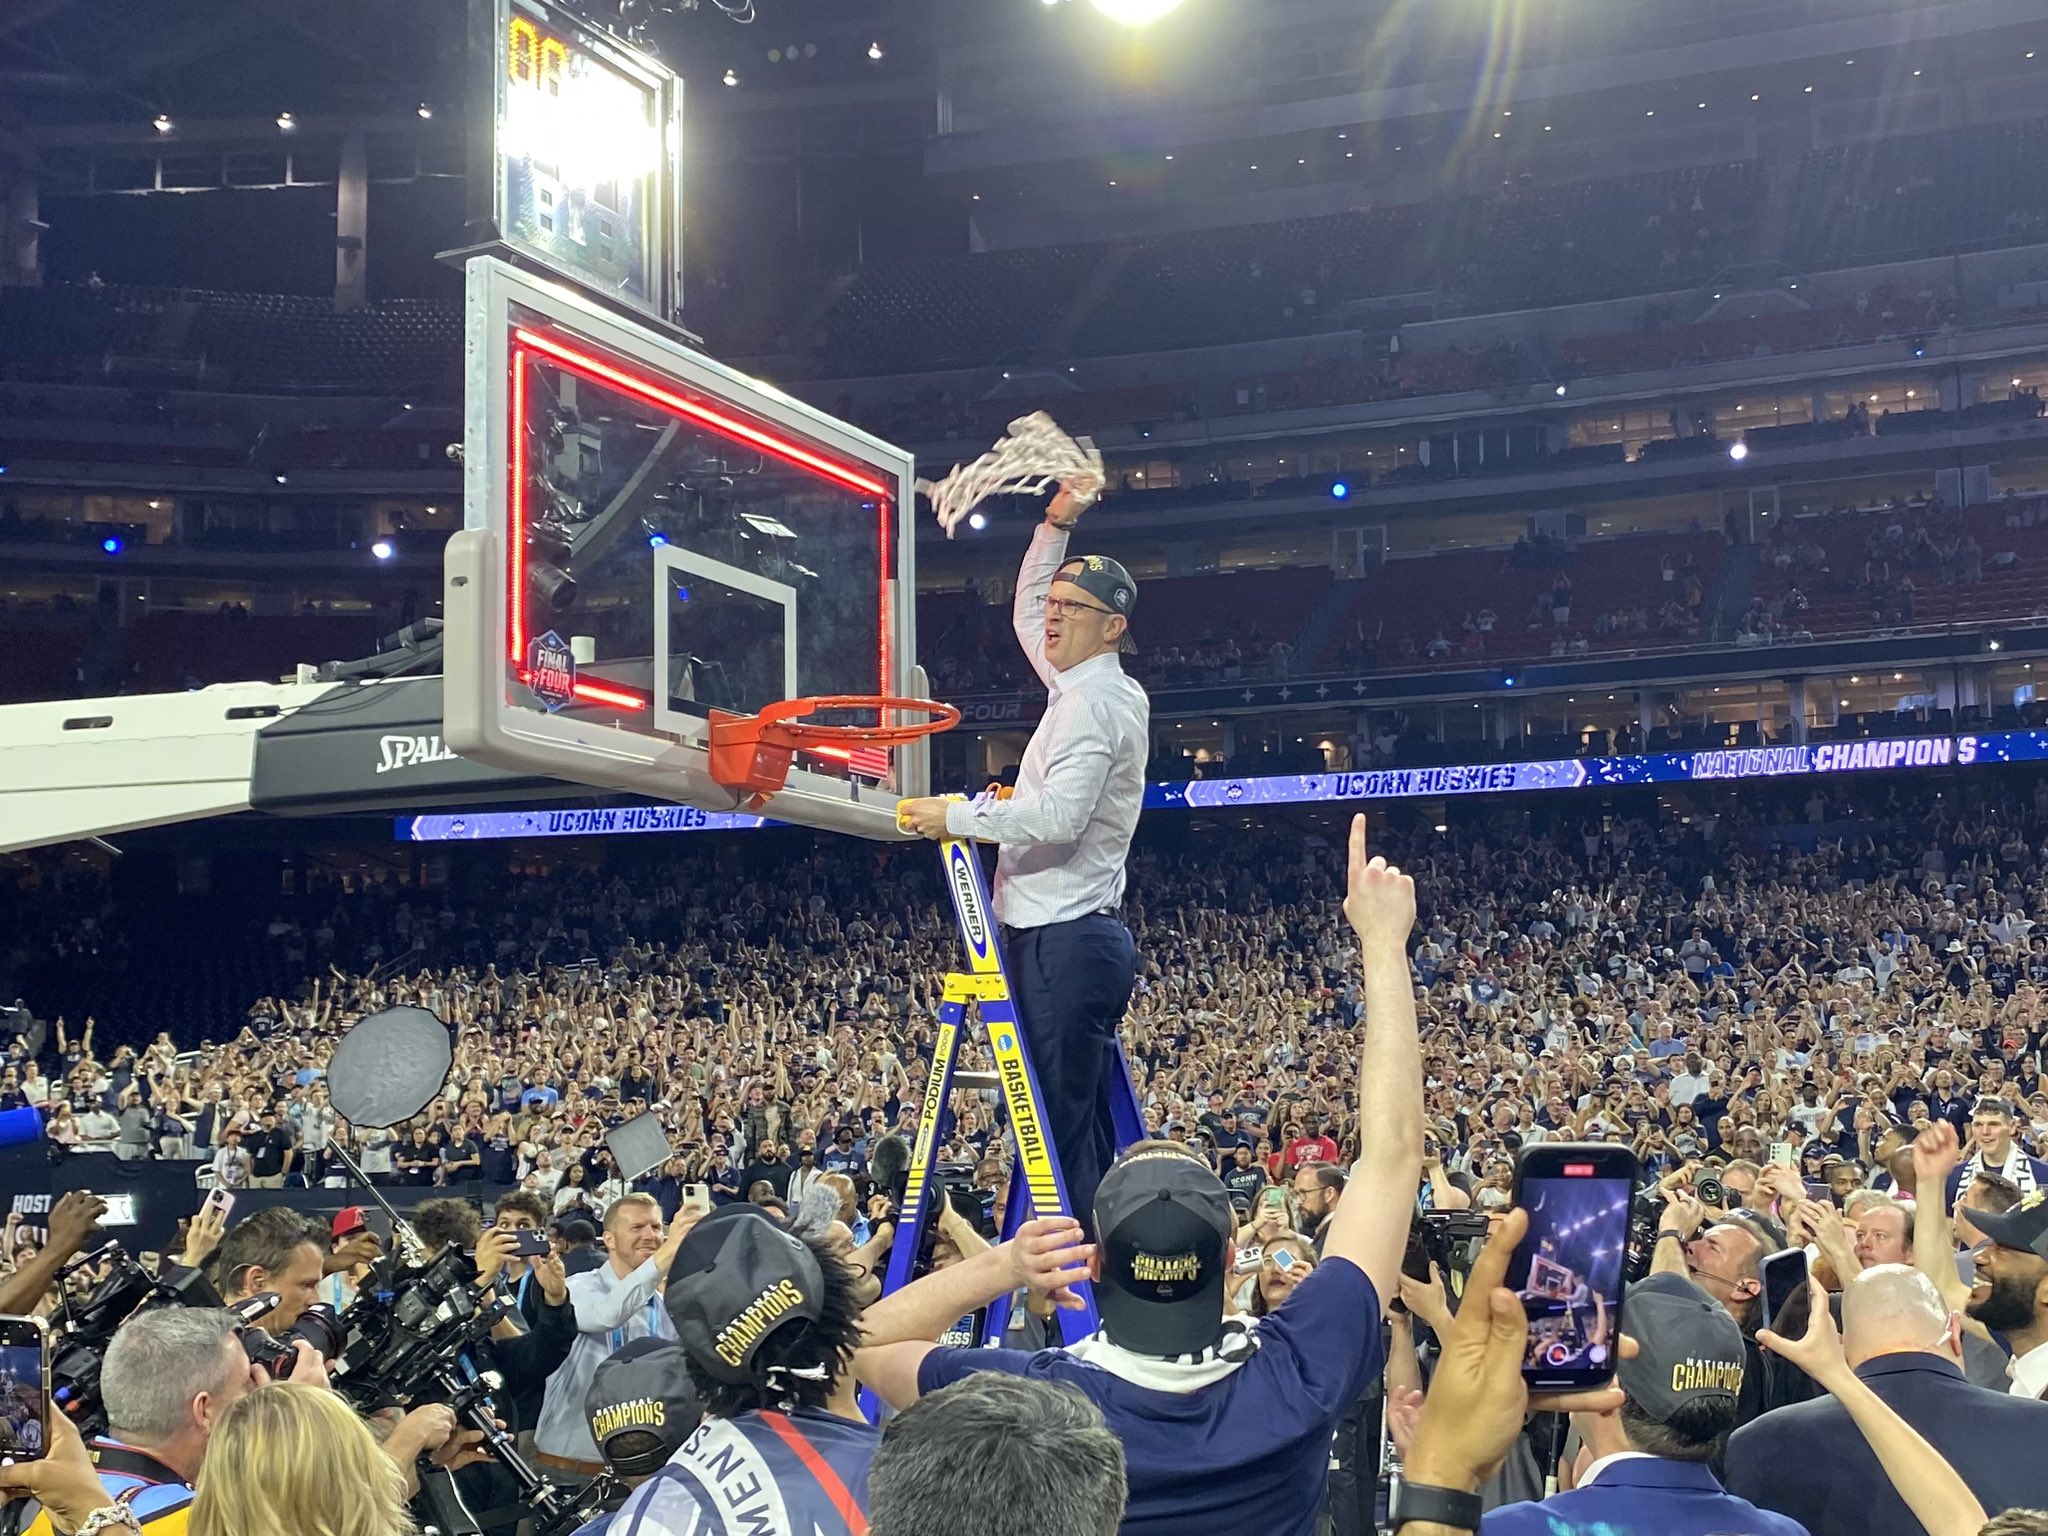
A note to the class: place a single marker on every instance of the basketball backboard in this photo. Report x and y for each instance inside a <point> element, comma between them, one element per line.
<point>650,536</point>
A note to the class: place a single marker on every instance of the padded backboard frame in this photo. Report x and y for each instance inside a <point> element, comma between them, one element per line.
<point>609,736</point>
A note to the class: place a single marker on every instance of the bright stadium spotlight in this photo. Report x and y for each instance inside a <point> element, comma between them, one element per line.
<point>286,122</point>
<point>732,77</point>
<point>162,122</point>
<point>382,549</point>
<point>1738,450</point>
<point>425,111</point>
<point>1135,13</point>
<point>874,51</point>
<point>1559,391</point>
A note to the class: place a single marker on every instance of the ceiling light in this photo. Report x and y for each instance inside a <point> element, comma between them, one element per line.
<point>1703,106</point>
<point>874,50</point>
<point>1135,13</point>
<point>162,122</point>
<point>1754,97</point>
<point>382,549</point>
<point>425,111</point>
<point>731,78</point>
<point>977,521</point>
<point>1916,74</point>
<point>977,197</point>
<point>1809,90</point>
<point>1507,114</point>
<point>1651,113</point>
<point>1169,157</point>
<point>1738,451</point>
<point>286,122</point>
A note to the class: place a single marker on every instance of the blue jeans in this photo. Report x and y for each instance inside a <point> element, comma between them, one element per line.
<point>1072,982</point>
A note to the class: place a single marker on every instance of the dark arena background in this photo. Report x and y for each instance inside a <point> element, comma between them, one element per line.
<point>1600,440</point>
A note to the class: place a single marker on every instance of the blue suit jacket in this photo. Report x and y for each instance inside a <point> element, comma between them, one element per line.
<point>1809,1461</point>
<point>1642,1496</point>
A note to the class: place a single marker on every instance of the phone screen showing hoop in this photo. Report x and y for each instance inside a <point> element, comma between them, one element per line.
<point>24,1391</point>
<point>1567,1268</point>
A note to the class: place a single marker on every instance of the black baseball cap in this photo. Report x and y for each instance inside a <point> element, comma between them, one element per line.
<point>1103,579</point>
<point>641,1406</point>
<point>739,1277</point>
<point>1164,1225</point>
<point>2024,1227</point>
<point>1688,1349</point>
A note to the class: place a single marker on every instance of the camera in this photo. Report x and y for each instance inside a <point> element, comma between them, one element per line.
<point>1449,1239</point>
<point>1648,1213</point>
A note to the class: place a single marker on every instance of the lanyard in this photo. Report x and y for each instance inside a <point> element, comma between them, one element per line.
<point>618,1335</point>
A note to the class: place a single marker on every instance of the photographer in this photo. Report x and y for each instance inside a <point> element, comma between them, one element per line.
<point>274,1250</point>
<point>168,1376</point>
<point>525,1358</point>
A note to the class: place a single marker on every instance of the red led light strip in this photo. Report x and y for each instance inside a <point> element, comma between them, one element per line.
<point>668,400</point>
<point>524,341</point>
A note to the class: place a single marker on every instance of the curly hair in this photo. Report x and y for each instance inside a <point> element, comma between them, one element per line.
<point>799,1363</point>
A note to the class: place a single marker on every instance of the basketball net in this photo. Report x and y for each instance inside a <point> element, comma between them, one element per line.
<point>1028,460</point>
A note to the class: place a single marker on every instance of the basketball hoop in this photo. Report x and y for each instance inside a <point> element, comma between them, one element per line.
<point>751,754</point>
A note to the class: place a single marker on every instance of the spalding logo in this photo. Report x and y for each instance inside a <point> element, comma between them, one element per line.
<point>972,920</point>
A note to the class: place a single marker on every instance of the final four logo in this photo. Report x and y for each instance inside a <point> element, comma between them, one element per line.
<point>551,670</point>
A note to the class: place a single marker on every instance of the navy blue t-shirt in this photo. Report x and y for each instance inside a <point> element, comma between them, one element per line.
<point>1251,1451</point>
<point>805,1473</point>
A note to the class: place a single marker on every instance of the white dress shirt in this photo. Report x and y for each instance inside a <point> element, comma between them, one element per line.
<point>1067,828</point>
<point>611,1311</point>
<point>2030,1373</point>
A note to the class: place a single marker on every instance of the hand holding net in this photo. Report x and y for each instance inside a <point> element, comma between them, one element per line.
<point>1029,459</point>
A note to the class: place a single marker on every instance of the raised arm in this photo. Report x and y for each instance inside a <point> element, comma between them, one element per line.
<point>1370,1227</point>
<point>1034,579</point>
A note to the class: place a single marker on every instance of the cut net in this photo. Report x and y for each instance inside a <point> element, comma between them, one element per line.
<point>1031,458</point>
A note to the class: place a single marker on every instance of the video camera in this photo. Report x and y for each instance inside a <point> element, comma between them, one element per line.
<point>1449,1239</point>
<point>1647,1214</point>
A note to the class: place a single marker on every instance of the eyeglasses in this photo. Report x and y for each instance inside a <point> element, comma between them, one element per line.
<point>1067,607</point>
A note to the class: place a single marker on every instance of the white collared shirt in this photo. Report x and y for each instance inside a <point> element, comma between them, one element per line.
<point>1066,830</point>
<point>1595,1468</point>
<point>2030,1372</point>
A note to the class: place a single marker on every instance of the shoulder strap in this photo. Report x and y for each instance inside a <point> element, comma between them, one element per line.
<point>829,1481</point>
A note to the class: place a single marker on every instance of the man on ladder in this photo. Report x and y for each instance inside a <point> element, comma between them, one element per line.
<point>1064,834</point>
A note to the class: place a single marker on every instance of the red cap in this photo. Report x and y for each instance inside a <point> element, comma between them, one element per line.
<point>350,1218</point>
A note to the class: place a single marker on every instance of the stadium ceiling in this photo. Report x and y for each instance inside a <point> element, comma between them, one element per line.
<point>71,63</point>
<point>111,61</point>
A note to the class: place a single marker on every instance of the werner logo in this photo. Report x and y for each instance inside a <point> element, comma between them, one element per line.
<point>973,921</point>
<point>398,752</point>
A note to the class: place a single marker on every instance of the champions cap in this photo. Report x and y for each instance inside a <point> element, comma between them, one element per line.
<point>1164,1226</point>
<point>738,1278</point>
<point>641,1407</point>
<point>1106,581</point>
<point>1688,1349</point>
<point>2024,1227</point>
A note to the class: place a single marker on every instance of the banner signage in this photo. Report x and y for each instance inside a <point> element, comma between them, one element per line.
<point>1812,760</point>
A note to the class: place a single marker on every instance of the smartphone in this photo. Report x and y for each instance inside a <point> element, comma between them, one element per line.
<point>697,1199</point>
<point>120,1211</point>
<point>24,1389</point>
<point>530,1243</point>
<point>1783,1276</point>
<point>1567,1268</point>
<point>1784,1154</point>
<point>1273,1198</point>
<point>221,1200</point>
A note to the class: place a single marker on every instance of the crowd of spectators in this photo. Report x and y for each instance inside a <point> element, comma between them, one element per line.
<point>1828,997</point>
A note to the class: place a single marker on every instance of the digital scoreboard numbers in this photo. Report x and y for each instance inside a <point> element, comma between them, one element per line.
<point>585,143</point>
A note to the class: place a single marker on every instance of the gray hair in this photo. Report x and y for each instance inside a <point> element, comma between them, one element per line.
<point>1027,1456</point>
<point>157,1363</point>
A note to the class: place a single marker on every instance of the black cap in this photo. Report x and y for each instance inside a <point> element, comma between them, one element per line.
<point>738,1278</point>
<point>2024,1227</point>
<point>1164,1222</point>
<point>641,1406</point>
<point>1688,1349</point>
<point>1103,579</point>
